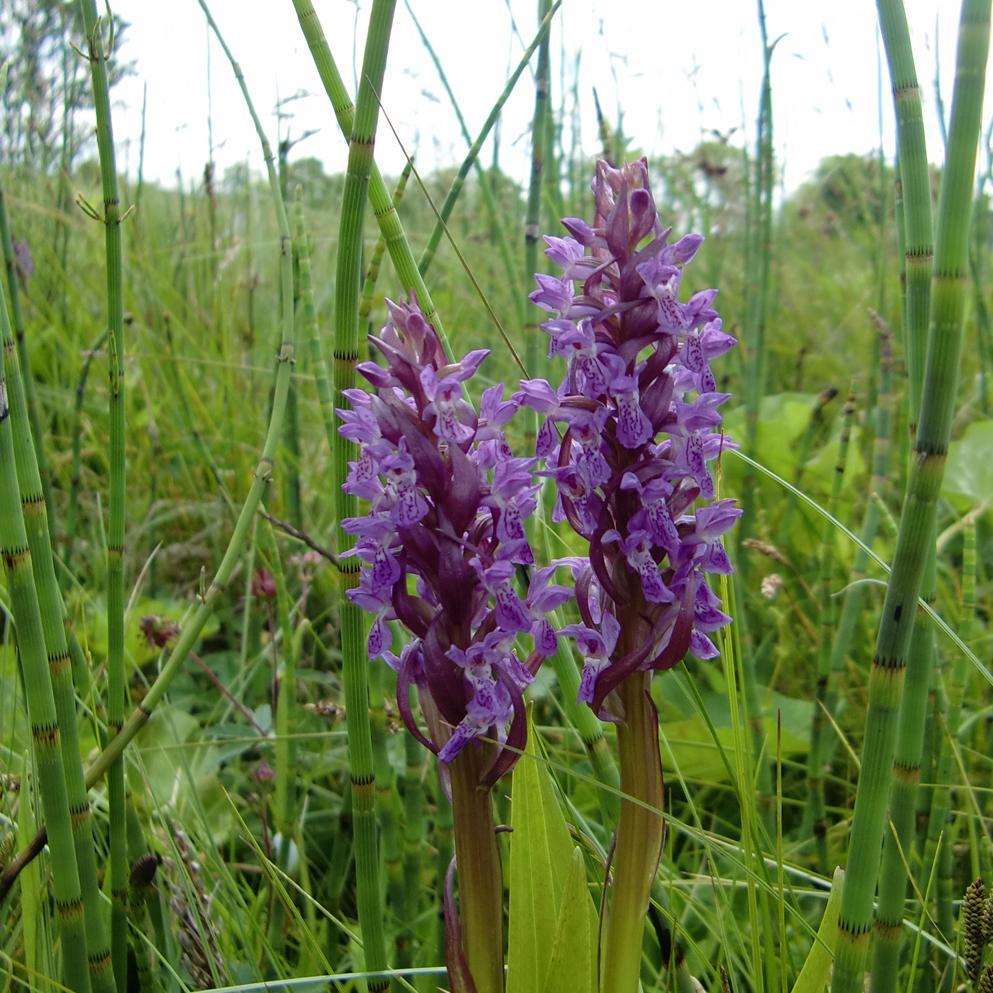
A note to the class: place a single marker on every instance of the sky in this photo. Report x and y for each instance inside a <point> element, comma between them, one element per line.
<point>675,70</point>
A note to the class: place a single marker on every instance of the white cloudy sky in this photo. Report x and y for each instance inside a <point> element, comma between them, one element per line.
<point>677,69</point>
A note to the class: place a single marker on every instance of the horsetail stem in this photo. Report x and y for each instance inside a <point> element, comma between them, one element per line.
<point>46,738</point>
<point>917,520</point>
<point>59,663</point>
<point>355,663</point>
<point>368,295</point>
<point>98,54</point>
<point>17,318</point>
<point>380,198</point>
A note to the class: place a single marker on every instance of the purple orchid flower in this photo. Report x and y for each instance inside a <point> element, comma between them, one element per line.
<point>443,540</point>
<point>630,434</point>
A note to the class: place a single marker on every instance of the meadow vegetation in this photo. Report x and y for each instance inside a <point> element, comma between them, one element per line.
<point>198,602</point>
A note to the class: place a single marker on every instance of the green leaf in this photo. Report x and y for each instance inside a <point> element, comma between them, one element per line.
<point>814,974</point>
<point>572,968</point>
<point>969,472</point>
<point>541,867</point>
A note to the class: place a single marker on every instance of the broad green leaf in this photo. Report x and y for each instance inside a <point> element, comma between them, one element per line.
<point>816,970</point>
<point>969,473</point>
<point>540,860</point>
<point>572,968</point>
<point>695,752</point>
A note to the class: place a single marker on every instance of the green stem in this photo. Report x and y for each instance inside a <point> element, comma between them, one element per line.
<point>886,681</point>
<point>818,729</point>
<point>17,318</point>
<point>46,738</point>
<point>639,835</point>
<point>348,279</point>
<point>380,198</point>
<point>99,54</point>
<point>477,859</point>
<point>368,297</point>
<point>309,331</point>
<point>72,515</point>
<point>59,663</point>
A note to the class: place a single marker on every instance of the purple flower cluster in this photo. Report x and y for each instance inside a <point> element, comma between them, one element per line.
<point>444,539</point>
<point>630,433</point>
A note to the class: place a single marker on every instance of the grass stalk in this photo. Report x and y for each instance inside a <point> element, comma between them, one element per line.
<point>540,141</point>
<point>75,480</point>
<point>348,278</point>
<point>309,330</point>
<point>818,728</point>
<point>99,52</point>
<point>886,681</point>
<point>483,178</point>
<point>473,154</point>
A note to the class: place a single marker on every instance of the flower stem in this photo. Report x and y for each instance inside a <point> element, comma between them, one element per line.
<point>477,859</point>
<point>639,834</point>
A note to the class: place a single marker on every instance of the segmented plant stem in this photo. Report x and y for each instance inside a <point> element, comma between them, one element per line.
<point>372,271</point>
<point>380,198</point>
<point>59,663</point>
<point>917,520</point>
<point>46,739</point>
<point>348,279</point>
<point>20,336</point>
<point>98,52</point>
<point>898,839</point>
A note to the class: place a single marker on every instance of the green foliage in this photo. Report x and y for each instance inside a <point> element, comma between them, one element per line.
<point>552,930</point>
